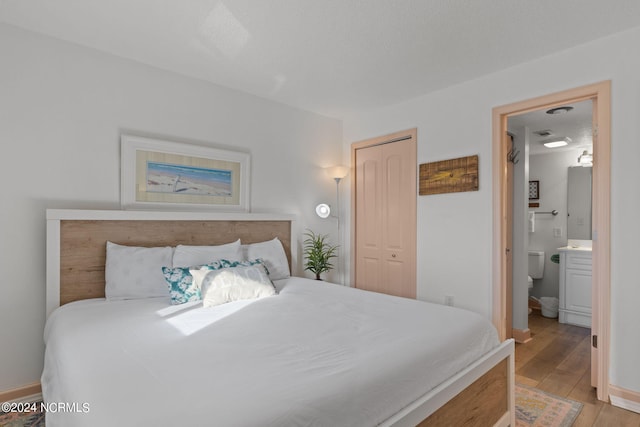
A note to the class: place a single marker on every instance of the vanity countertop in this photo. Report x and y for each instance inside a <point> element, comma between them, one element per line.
<point>575,248</point>
<point>577,245</point>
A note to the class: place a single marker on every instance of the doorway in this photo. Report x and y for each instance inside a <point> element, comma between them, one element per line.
<point>599,94</point>
<point>551,158</point>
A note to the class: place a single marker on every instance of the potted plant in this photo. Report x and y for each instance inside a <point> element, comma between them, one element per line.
<point>318,253</point>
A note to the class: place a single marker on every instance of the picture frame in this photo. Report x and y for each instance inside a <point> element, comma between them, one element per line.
<point>170,175</point>
<point>534,190</point>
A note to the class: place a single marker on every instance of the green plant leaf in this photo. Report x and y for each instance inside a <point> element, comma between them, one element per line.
<point>318,253</point>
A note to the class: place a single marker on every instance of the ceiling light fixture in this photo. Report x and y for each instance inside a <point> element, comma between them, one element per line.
<point>556,142</point>
<point>559,110</point>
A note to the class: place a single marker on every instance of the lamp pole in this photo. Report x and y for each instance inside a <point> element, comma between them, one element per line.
<point>340,260</point>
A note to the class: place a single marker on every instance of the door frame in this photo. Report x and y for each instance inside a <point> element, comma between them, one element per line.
<point>600,94</point>
<point>409,134</point>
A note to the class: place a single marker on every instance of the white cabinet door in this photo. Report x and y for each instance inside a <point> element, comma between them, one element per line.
<point>575,288</point>
<point>578,290</point>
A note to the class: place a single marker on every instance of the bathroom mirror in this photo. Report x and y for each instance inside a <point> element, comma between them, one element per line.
<point>579,203</point>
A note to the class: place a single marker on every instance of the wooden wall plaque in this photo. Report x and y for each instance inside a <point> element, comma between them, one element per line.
<point>449,176</point>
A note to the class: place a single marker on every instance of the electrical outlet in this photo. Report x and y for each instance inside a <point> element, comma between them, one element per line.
<point>448,300</point>
<point>557,232</point>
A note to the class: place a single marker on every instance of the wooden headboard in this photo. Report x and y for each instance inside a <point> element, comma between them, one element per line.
<point>76,241</point>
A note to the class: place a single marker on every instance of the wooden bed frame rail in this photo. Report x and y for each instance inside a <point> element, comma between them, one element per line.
<point>483,394</point>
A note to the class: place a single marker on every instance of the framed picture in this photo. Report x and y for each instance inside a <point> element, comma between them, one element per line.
<point>534,190</point>
<point>157,174</point>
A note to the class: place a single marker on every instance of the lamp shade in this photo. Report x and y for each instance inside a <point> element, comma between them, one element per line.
<point>337,172</point>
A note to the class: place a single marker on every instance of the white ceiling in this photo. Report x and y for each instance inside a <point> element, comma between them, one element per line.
<point>575,124</point>
<point>327,56</point>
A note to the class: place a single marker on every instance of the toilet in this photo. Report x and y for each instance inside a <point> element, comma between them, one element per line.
<point>536,266</point>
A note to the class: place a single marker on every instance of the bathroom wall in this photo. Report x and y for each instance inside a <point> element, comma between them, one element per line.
<point>552,171</point>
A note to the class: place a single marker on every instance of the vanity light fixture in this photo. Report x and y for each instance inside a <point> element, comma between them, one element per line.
<point>556,142</point>
<point>585,159</point>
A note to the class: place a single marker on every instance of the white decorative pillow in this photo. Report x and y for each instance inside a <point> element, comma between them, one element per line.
<point>133,272</point>
<point>187,256</point>
<point>272,255</point>
<point>220,286</point>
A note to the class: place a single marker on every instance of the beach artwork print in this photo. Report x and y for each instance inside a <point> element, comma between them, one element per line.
<point>170,178</point>
<point>175,176</point>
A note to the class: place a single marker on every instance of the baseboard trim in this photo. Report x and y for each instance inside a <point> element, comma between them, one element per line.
<point>521,336</point>
<point>31,390</point>
<point>625,399</point>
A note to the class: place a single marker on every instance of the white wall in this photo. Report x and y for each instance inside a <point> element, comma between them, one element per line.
<point>62,110</point>
<point>455,230</point>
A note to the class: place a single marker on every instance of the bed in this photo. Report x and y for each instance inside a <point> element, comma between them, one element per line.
<point>313,354</point>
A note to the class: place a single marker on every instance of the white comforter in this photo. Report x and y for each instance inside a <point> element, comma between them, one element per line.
<point>315,355</point>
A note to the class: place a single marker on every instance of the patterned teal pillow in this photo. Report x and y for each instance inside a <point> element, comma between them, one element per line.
<point>223,263</point>
<point>181,285</point>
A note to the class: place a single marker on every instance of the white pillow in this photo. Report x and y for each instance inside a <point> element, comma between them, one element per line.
<point>272,255</point>
<point>133,272</point>
<point>224,285</point>
<point>187,256</point>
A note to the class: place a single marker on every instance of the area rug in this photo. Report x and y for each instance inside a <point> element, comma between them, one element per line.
<point>31,417</point>
<point>537,408</point>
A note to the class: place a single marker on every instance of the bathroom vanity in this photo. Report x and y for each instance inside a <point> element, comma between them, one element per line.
<point>575,284</point>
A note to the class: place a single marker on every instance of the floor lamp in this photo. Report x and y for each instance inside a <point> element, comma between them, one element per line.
<point>324,211</point>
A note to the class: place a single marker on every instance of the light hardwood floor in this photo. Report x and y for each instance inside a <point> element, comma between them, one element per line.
<point>557,360</point>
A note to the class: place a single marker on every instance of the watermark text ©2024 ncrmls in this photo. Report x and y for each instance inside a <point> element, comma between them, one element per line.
<point>25,407</point>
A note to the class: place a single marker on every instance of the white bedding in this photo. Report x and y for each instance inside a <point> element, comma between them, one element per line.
<point>317,354</point>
